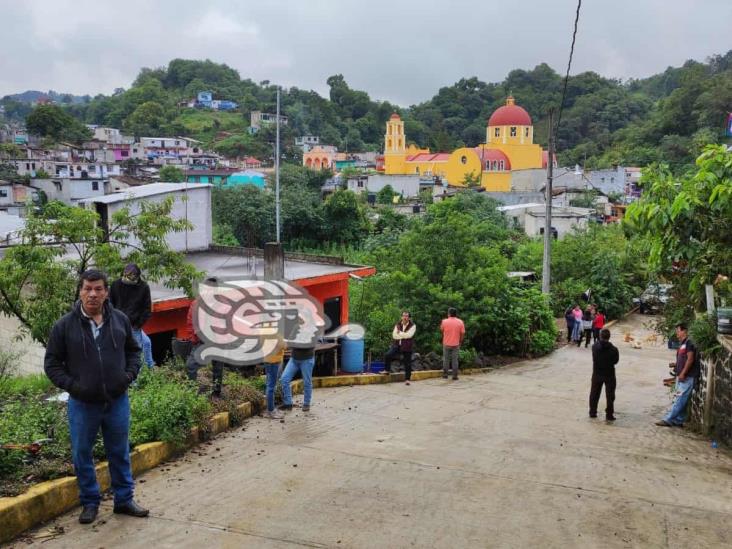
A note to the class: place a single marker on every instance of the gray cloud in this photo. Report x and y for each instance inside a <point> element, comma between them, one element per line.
<point>400,51</point>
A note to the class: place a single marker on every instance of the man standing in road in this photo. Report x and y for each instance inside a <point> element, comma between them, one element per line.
<point>92,354</point>
<point>453,333</point>
<point>687,370</point>
<point>604,358</point>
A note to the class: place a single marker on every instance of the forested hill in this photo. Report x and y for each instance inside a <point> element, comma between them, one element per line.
<point>666,117</point>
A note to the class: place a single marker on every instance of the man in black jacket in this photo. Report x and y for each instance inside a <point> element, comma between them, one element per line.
<point>92,354</point>
<point>131,295</point>
<point>604,358</point>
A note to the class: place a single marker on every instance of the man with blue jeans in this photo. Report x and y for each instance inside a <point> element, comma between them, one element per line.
<point>687,370</point>
<point>272,365</point>
<point>131,295</point>
<point>302,360</point>
<point>92,354</point>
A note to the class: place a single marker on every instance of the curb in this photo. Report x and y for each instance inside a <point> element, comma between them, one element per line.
<point>47,500</point>
<point>52,498</point>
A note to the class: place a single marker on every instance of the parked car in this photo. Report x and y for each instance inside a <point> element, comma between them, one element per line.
<point>654,298</point>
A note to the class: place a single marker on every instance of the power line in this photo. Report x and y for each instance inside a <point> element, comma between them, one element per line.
<point>569,65</point>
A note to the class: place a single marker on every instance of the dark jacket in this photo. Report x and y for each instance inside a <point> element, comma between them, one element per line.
<point>405,345</point>
<point>133,300</point>
<point>92,370</point>
<point>299,353</point>
<point>604,358</point>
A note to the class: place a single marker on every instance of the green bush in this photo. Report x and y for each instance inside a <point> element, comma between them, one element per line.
<point>24,421</point>
<point>703,332</point>
<point>164,407</point>
<point>466,357</point>
<point>542,342</point>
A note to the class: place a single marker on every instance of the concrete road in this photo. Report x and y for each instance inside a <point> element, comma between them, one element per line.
<point>504,459</point>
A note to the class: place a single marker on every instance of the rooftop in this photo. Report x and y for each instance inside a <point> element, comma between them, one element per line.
<point>143,191</point>
<point>227,265</point>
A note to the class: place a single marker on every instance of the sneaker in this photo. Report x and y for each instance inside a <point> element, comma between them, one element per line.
<point>131,508</point>
<point>407,383</point>
<point>273,415</point>
<point>385,373</point>
<point>610,418</point>
<point>444,376</point>
<point>454,378</point>
<point>88,514</point>
<point>285,407</point>
<point>306,407</point>
<point>663,423</point>
<point>593,416</point>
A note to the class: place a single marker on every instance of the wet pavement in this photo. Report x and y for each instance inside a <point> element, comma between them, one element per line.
<point>504,459</point>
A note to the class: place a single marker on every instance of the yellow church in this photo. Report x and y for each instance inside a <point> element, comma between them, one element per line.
<point>509,145</point>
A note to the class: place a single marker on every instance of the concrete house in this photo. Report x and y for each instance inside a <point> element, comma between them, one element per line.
<point>191,202</point>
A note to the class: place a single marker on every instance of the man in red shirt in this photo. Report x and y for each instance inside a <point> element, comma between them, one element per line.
<point>453,333</point>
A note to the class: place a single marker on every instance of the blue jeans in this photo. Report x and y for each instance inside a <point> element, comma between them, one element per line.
<point>677,414</point>
<point>271,370</point>
<point>306,369</point>
<point>144,342</point>
<point>85,419</point>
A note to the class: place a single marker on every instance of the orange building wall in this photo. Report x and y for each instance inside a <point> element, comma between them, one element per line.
<point>171,315</point>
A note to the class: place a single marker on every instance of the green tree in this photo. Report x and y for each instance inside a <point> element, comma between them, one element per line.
<point>386,195</point>
<point>38,278</point>
<point>454,260</point>
<point>345,217</point>
<point>171,174</point>
<point>688,221</point>
<point>146,120</point>
<point>10,151</point>
<point>248,211</point>
<point>471,179</point>
<point>54,122</point>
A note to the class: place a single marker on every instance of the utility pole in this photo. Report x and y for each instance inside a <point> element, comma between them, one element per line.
<point>546,271</point>
<point>277,171</point>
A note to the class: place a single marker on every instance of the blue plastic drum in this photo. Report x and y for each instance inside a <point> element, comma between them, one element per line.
<point>352,355</point>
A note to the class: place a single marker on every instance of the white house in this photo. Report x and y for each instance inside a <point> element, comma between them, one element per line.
<point>405,185</point>
<point>192,201</point>
<point>531,217</point>
<point>71,191</point>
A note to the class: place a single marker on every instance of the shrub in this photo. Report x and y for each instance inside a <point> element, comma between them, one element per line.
<point>703,332</point>
<point>23,421</point>
<point>164,407</point>
<point>467,357</point>
<point>8,365</point>
<point>542,342</point>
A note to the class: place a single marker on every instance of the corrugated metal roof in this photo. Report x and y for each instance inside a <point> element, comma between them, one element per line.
<point>143,192</point>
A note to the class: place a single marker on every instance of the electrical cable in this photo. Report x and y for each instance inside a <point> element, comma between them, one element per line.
<point>569,65</point>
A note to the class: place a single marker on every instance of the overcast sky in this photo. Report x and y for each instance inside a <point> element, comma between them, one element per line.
<point>398,50</point>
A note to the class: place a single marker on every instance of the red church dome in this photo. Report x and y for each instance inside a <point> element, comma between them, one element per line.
<point>510,115</point>
<point>395,116</point>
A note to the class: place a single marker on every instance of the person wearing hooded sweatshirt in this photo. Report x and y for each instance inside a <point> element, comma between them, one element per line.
<point>92,354</point>
<point>604,358</point>
<point>131,295</point>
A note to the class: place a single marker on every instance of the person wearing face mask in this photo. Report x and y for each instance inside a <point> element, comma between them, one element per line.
<point>131,295</point>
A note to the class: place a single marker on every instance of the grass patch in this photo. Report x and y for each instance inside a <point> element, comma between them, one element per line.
<point>25,386</point>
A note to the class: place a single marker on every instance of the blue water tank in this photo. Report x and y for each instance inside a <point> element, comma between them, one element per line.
<point>352,355</point>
